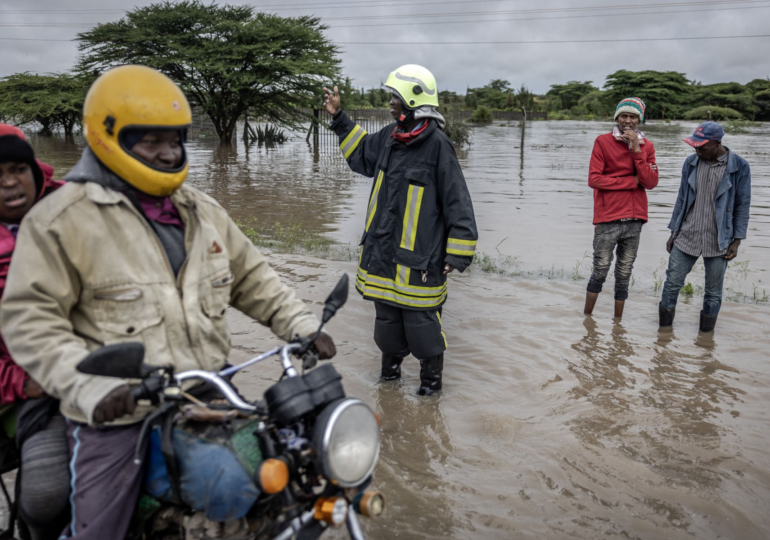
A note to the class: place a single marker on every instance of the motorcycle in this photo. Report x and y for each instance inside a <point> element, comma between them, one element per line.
<point>288,466</point>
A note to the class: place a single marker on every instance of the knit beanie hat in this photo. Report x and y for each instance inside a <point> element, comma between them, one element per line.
<point>632,105</point>
<point>16,149</point>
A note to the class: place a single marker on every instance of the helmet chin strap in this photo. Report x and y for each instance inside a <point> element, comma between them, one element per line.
<point>405,119</point>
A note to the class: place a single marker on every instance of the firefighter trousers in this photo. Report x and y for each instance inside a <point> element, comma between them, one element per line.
<point>399,332</point>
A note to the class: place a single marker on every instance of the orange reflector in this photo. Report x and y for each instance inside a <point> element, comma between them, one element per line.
<point>379,422</point>
<point>273,476</point>
<point>332,510</point>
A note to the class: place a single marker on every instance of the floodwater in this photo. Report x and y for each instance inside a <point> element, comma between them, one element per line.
<point>551,424</point>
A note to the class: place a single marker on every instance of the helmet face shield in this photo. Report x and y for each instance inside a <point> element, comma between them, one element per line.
<point>131,136</point>
<point>127,99</point>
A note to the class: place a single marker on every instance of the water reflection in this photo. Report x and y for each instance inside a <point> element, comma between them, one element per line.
<point>415,450</point>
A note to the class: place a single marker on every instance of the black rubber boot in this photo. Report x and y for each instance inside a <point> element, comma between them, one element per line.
<point>666,315</point>
<point>391,368</point>
<point>707,322</point>
<point>430,375</point>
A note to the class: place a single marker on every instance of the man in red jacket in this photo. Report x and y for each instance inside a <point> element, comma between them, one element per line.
<point>622,169</point>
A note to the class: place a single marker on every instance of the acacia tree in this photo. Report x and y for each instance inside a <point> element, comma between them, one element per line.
<point>664,92</point>
<point>52,101</point>
<point>229,60</point>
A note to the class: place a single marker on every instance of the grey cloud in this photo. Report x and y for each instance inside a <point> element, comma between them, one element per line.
<point>456,66</point>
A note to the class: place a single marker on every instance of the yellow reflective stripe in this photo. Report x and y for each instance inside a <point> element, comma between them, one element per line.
<point>462,242</point>
<point>412,290</point>
<point>385,294</point>
<point>441,325</point>
<point>350,143</point>
<point>411,215</point>
<point>373,201</point>
<point>464,248</point>
<point>403,273</point>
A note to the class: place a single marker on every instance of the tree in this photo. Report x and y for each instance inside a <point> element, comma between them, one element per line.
<point>53,101</point>
<point>664,92</point>
<point>497,94</point>
<point>727,96</point>
<point>760,89</point>
<point>569,94</point>
<point>230,60</point>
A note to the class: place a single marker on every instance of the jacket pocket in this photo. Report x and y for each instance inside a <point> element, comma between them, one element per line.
<point>411,259</point>
<point>215,292</point>
<point>124,314</point>
<point>418,176</point>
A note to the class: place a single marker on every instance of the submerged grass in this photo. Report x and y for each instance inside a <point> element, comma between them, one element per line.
<point>295,239</point>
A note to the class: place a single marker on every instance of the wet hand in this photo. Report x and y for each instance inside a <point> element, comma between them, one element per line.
<point>32,389</point>
<point>448,268</point>
<point>670,244</point>
<point>325,346</point>
<point>732,250</point>
<point>116,404</point>
<point>332,101</point>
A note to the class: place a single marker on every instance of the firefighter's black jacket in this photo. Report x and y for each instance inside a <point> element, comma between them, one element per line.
<point>420,214</point>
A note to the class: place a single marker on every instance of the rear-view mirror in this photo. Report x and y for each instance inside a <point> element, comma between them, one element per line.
<point>336,299</point>
<point>121,360</point>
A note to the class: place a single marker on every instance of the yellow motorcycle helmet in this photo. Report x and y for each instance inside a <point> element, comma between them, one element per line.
<point>135,98</point>
<point>415,85</point>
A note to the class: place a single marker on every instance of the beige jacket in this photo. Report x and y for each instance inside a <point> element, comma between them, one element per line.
<point>89,270</point>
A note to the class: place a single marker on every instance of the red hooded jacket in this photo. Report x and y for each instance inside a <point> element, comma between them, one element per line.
<point>12,377</point>
<point>612,175</point>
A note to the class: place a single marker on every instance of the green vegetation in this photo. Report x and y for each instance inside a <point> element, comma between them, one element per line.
<point>457,130</point>
<point>230,60</point>
<point>688,289</point>
<point>482,115</point>
<point>270,135</point>
<point>53,101</point>
<point>707,112</point>
<point>295,239</point>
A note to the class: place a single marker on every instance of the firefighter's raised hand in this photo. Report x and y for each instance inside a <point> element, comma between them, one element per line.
<point>332,101</point>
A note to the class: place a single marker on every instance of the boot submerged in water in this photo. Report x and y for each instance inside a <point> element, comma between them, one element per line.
<point>666,315</point>
<point>391,368</point>
<point>707,322</point>
<point>430,375</point>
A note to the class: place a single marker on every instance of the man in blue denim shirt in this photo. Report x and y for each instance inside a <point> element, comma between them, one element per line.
<point>710,218</point>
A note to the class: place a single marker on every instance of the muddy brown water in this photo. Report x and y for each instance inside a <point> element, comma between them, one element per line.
<point>550,424</point>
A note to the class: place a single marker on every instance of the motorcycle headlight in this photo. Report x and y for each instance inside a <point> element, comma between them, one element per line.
<point>347,440</point>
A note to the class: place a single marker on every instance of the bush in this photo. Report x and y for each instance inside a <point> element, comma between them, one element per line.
<point>738,126</point>
<point>458,131</point>
<point>717,113</point>
<point>482,115</point>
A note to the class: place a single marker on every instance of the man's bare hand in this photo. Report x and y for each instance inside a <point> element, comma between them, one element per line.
<point>670,243</point>
<point>116,404</point>
<point>332,101</point>
<point>448,269</point>
<point>325,346</point>
<point>32,389</point>
<point>732,250</point>
<point>631,136</point>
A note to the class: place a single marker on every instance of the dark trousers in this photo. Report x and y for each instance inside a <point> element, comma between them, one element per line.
<point>623,238</point>
<point>399,332</point>
<point>45,477</point>
<point>105,480</point>
<point>679,265</point>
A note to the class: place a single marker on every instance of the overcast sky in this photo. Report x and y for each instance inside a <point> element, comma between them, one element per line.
<point>23,23</point>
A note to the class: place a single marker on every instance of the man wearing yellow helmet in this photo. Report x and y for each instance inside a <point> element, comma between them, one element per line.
<point>419,226</point>
<point>126,252</point>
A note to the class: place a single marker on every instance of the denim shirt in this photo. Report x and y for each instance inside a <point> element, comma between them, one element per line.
<point>732,200</point>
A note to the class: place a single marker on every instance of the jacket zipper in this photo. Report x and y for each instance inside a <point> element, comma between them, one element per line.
<point>177,279</point>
